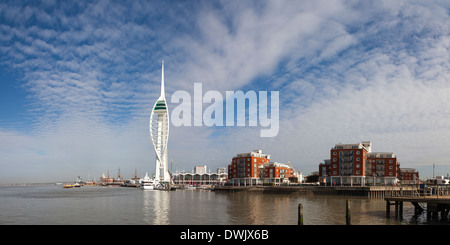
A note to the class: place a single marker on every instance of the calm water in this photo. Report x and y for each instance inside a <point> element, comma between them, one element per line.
<point>32,205</point>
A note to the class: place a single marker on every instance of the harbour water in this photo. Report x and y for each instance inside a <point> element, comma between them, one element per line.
<point>54,205</point>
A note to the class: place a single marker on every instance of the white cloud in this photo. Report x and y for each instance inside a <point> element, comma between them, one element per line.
<point>346,71</point>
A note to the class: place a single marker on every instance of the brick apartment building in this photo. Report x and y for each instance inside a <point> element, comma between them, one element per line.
<point>356,164</point>
<point>255,168</point>
<point>277,173</point>
<point>409,176</point>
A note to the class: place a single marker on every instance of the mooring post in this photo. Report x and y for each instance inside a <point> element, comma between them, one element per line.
<point>300,214</point>
<point>347,213</point>
<point>388,209</point>
<point>396,209</point>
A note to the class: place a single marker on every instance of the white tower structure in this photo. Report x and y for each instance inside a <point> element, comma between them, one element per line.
<point>159,133</point>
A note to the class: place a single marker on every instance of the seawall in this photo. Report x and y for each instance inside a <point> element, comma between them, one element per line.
<point>370,191</point>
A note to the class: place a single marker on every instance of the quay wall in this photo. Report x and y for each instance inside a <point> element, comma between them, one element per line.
<point>377,191</point>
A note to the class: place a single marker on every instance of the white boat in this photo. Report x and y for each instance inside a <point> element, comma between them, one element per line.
<point>147,183</point>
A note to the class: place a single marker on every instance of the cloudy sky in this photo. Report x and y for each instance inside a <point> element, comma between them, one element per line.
<point>78,80</point>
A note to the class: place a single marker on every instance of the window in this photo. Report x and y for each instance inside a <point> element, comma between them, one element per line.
<point>358,152</point>
<point>334,172</point>
<point>390,161</point>
<point>334,153</point>
<point>390,167</point>
<point>334,166</point>
<point>357,172</point>
<point>358,159</point>
<point>357,165</point>
<point>254,160</point>
<point>334,159</point>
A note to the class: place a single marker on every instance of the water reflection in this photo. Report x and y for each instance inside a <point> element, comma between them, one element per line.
<point>156,207</point>
<point>99,205</point>
<point>276,209</point>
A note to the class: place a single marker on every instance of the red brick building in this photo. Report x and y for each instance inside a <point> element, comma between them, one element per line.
<point>255,168</point>
<point>383,165</point>
<point>356,164</point>
<point>247,168</point>
<point>409,176</point>
<point>277,173</point>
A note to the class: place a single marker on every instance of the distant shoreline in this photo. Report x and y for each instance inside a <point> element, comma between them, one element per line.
<point>32,184</point>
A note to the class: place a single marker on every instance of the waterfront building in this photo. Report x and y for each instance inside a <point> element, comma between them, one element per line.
<point>277,173</point>
<point>248,168</point>
<point>200,178</point>
<point>383,167</point>
<point>409,176</point>
<point>356,164</point>
<point>325,170</point>
<point>159,134</point>
<point>255,168</point>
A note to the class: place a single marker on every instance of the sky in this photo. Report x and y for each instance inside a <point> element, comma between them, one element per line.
<point>78,80</point>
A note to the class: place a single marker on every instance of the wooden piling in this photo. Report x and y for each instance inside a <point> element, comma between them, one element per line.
<point>396,209</point>
<point>347,213</point>
<point>300,214</point>
<point>388,209</point>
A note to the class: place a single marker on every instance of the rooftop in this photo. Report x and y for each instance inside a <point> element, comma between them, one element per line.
<point>254,153</point>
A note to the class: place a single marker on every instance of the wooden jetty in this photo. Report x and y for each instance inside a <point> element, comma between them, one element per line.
<point>433,205</point>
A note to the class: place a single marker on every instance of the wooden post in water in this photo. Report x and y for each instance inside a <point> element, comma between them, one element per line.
<point>347,213</point>
<point>300,214</point>
<point>388,209</point>
<point>396,209</point>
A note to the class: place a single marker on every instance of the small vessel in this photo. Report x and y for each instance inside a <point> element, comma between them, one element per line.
<point>78,182</point>
<point>67,186</point>
<point>147,183</point>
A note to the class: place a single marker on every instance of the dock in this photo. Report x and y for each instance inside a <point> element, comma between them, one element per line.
<point>433,205</point>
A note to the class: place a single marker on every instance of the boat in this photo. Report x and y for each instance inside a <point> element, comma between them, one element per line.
<point>78,182</point>
<point>189,187</point>
<point>67,186</point>
<point>147,183</point>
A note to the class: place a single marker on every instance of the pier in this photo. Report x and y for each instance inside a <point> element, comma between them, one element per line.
<point>433,205</point>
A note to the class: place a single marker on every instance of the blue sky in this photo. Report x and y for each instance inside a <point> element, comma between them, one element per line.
<point>78,80</point>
